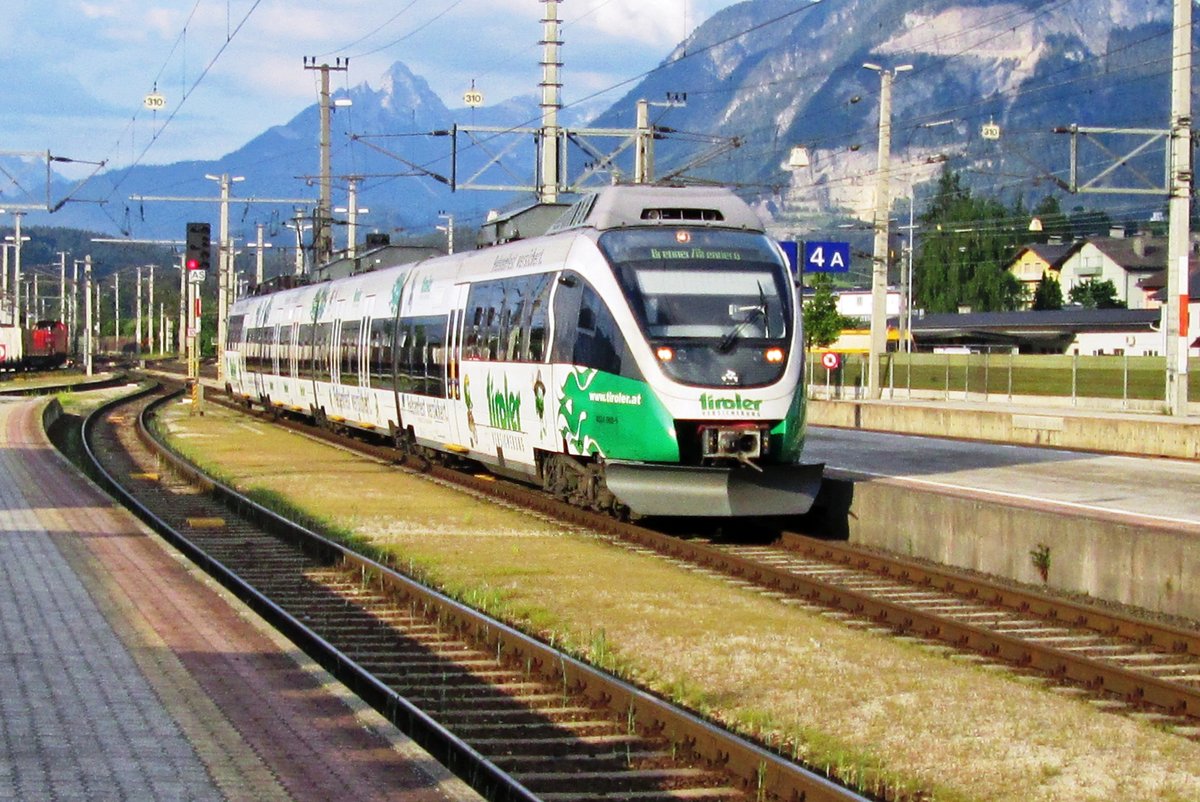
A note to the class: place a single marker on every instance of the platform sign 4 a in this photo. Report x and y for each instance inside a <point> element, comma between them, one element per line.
<point>827,257</point>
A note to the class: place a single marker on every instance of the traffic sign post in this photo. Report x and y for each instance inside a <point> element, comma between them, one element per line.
<point>831,360</point>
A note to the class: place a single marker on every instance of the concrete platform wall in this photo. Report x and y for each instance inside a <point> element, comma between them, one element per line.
<point>1149,435</point>
<point>1154,569</point>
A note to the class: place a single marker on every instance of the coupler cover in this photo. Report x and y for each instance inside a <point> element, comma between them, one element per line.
<point>679,490</point>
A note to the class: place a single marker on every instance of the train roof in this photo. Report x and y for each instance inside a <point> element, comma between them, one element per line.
<point>643,205</point>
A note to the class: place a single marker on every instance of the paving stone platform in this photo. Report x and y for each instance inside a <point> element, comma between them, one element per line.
<point>126,674</point>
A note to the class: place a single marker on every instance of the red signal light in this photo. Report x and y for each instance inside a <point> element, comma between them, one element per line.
<point>193,264</point>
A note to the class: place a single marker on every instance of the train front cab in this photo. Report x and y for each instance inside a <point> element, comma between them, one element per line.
<point>696,403</point>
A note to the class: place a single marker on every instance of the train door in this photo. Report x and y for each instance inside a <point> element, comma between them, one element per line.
<point>294,351</point>
<point>335,347</point>
<point>458,401</point>
<point>364,343</point>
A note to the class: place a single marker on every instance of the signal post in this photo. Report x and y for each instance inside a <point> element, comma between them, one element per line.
<point>197,261</point>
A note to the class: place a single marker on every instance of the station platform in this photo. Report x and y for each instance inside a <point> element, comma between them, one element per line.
<point>1105,500</point>
<point>1031,421</point>
<point>126,674</point>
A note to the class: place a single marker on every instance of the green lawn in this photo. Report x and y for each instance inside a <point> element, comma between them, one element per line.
<point>1140,378</point>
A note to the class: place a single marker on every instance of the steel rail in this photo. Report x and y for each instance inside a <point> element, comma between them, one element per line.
<point>456,755</point>
<point>759,772</point>
<point>1137,688</point>
<point>1160,635</point>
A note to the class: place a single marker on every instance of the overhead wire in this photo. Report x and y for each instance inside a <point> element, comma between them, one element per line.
<point>230,36</point>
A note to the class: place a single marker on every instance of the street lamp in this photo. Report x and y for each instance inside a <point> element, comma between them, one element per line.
<point>352,212</point>
<point>879,267</point>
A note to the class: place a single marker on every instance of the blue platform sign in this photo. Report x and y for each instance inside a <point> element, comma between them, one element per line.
<point>827,257</point>
<point>791,250</point>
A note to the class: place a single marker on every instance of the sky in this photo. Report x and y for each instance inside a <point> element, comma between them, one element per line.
<point>76,72</point>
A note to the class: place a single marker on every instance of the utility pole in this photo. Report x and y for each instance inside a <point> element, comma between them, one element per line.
<point>298,225</point>
<point>17,267</point>
<point>116,311</point>
<point>1175,309</point>
<point>87,304</point>
<point>322,235</point>
<point>150,310</point>
<point>643,164</point>
<point>352,216</point>
<point>137,329</point>
<point>62,287</point>
<point>879,261</point>
<point>224,269</point>
<point>183,305</point>
<point>225,257</point>
<point>449,229</point>
<point>73,322</point>
<point>550,138</point>
<point>260,248</point>
<point>99,314</point>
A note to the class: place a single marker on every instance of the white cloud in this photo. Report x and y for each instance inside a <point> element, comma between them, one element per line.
<point>661,24</point>
<point>109,53</point>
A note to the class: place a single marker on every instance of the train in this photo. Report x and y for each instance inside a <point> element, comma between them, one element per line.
<point>643,357</point>
<point>42,346</point>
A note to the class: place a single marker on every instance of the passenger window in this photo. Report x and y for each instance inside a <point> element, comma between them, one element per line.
<point>598,343</point>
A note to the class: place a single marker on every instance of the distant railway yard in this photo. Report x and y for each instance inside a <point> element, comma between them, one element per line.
<point>892,678</point>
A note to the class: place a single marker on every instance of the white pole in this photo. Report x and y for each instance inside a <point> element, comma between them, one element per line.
<point>17,268</point>
<point>879,267</point>
<point>137,329</point>
<point>150,311</point>
<point>1175,321</point>
<point>87,303</point>
<point>548,139</point>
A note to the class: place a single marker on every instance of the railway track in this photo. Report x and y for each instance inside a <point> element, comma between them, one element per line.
<point>1127,662</point>
<point>513,717</point>
<point>54,382</point>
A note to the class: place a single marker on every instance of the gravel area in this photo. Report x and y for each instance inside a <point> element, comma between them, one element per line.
<point>897,713</point>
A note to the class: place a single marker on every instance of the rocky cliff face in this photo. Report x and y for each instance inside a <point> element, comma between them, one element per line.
<point>797,79</point>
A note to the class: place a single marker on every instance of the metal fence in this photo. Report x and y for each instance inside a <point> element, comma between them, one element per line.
<point>1121,382</point>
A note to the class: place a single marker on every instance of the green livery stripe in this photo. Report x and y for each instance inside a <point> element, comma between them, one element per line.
<point>614,417</point>
<point>788,436</point>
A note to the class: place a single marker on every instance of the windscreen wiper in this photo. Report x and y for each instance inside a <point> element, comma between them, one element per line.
<point>753,313</point>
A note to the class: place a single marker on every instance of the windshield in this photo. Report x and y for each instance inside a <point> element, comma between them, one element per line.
<point>700,284</point>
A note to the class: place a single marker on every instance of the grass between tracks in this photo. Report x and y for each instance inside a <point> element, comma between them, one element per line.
<point>883,714</point>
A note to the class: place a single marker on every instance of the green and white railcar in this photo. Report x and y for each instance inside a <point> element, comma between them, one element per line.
<point>645,355</point>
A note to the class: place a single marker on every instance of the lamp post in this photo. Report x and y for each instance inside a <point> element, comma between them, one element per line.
<point>449,229</point>
<point>879,267</point>
<point>352,211</point>
<point>298,225</point>
<point>224,269</point>
<point>87,303</point>
<point>14,241</point>
<point>260,249</point>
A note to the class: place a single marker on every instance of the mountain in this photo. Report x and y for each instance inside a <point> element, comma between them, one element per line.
<point>378,134</point>
<point>772,73</point>
<point>1027,66</point>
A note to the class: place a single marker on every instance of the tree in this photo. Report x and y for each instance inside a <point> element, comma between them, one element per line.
<point>822,322</point>
<point>1054,223</point>
<point>965,252</point>
<point>1048,294</point>
<point>1092,294</point>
